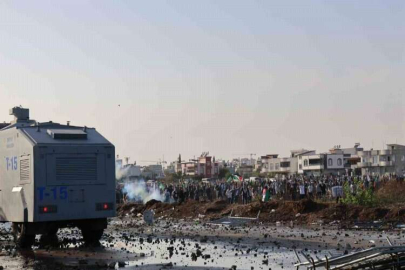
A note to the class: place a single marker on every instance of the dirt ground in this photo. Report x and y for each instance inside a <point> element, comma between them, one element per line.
<point>188,236</point>
<point>302,212</point>
<point>129,243</point>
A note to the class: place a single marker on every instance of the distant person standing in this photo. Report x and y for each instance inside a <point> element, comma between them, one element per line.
<point>337,193</point>
<point>181,195</point>
<point>175,195</point>
<point>318,190</point>
<point>310,190</point>
<point>244,195</point>
<point>323,189</point>
<point>228,194</point>
<point>264,192</point>
<point>167,196</point>
<point>197,194</point>
<point>302,190</point>
<point>293,190</point>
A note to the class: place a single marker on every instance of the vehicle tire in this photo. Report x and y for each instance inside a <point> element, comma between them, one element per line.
<point>92,237</point>
<point>21,238</point>
<point>50,238</point>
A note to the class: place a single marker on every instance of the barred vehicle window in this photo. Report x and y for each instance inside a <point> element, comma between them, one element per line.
<point>25,170</point>
<point>76,169</point>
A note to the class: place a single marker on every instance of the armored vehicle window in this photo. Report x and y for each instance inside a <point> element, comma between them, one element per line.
<point>67,134</point>
<point>76,169</point>
<point>25,170</point>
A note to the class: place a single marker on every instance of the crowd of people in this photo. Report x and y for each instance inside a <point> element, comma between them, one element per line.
<point>289,188</point>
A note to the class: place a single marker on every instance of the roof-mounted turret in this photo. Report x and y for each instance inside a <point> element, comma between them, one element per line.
<point>20,114</point>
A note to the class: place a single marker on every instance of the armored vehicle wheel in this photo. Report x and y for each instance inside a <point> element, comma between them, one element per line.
<point>92,237</point>
<point>50,238</point>
<point>21,237</point>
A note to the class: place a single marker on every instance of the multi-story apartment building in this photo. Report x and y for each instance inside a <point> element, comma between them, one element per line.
<point>350,158</point>
<point>337,161</point>
<point>131,170</point>
<point>380,162</point>
<point>301,156</point>
<point>127,171</point>
<point>274,164</point>
<point>153,171</point>
<point>189,168</point>
<point>264,162</point>
<point>205,166</point>
<point>245,170</point>
<point>311,163</point>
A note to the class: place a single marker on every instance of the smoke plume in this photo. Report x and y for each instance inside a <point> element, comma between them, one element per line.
<point>138,191</point>
<point>121,173</point>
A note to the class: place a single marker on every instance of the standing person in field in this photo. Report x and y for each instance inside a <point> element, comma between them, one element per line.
<point>167,196</point>
<point>266,194</point>
<point>249,194</point>
<point>310,190</point>
<point>264,191</point>
<point>302,190</point>
<point>318,190</point>
<point>175,195</point>
<point>228,194</point>
<point>181,195</point>
<point>244,195</point>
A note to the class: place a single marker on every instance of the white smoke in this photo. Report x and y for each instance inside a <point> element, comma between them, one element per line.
<point>138,191</point>
<point>121,173</point>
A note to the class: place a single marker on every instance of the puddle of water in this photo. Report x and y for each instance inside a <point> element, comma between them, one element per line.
<point>196,246</point>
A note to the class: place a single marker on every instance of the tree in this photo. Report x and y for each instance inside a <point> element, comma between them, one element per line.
<point>197,177</point>
<point>257,173</point>
<point>360,196</point>
<point>271,175</point>
<point>223,172</point>
<point>228,174</point>
<point>173,176</point>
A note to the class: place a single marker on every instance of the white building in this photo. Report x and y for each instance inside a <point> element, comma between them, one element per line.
<point>274,164</point>
<point>311,163</point>
<point>132,170</point>
<point>302,155</point>
<point>153,171</point>
<point>171,168</point>
<point>380,162</point>
<point>128,171</point>
<point>350,158</point>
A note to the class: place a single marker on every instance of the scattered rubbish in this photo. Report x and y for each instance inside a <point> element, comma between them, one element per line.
<point>373,258</point>
<point>400,226</point>
<point>371,225</point>
<point>148,216</point>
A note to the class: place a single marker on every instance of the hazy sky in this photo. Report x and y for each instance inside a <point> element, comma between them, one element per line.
<point>230,77</point>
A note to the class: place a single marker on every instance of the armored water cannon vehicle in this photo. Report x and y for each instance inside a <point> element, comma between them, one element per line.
<point>54,176</point>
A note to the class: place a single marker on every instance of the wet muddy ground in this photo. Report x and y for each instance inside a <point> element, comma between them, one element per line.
<point>130,243</point>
